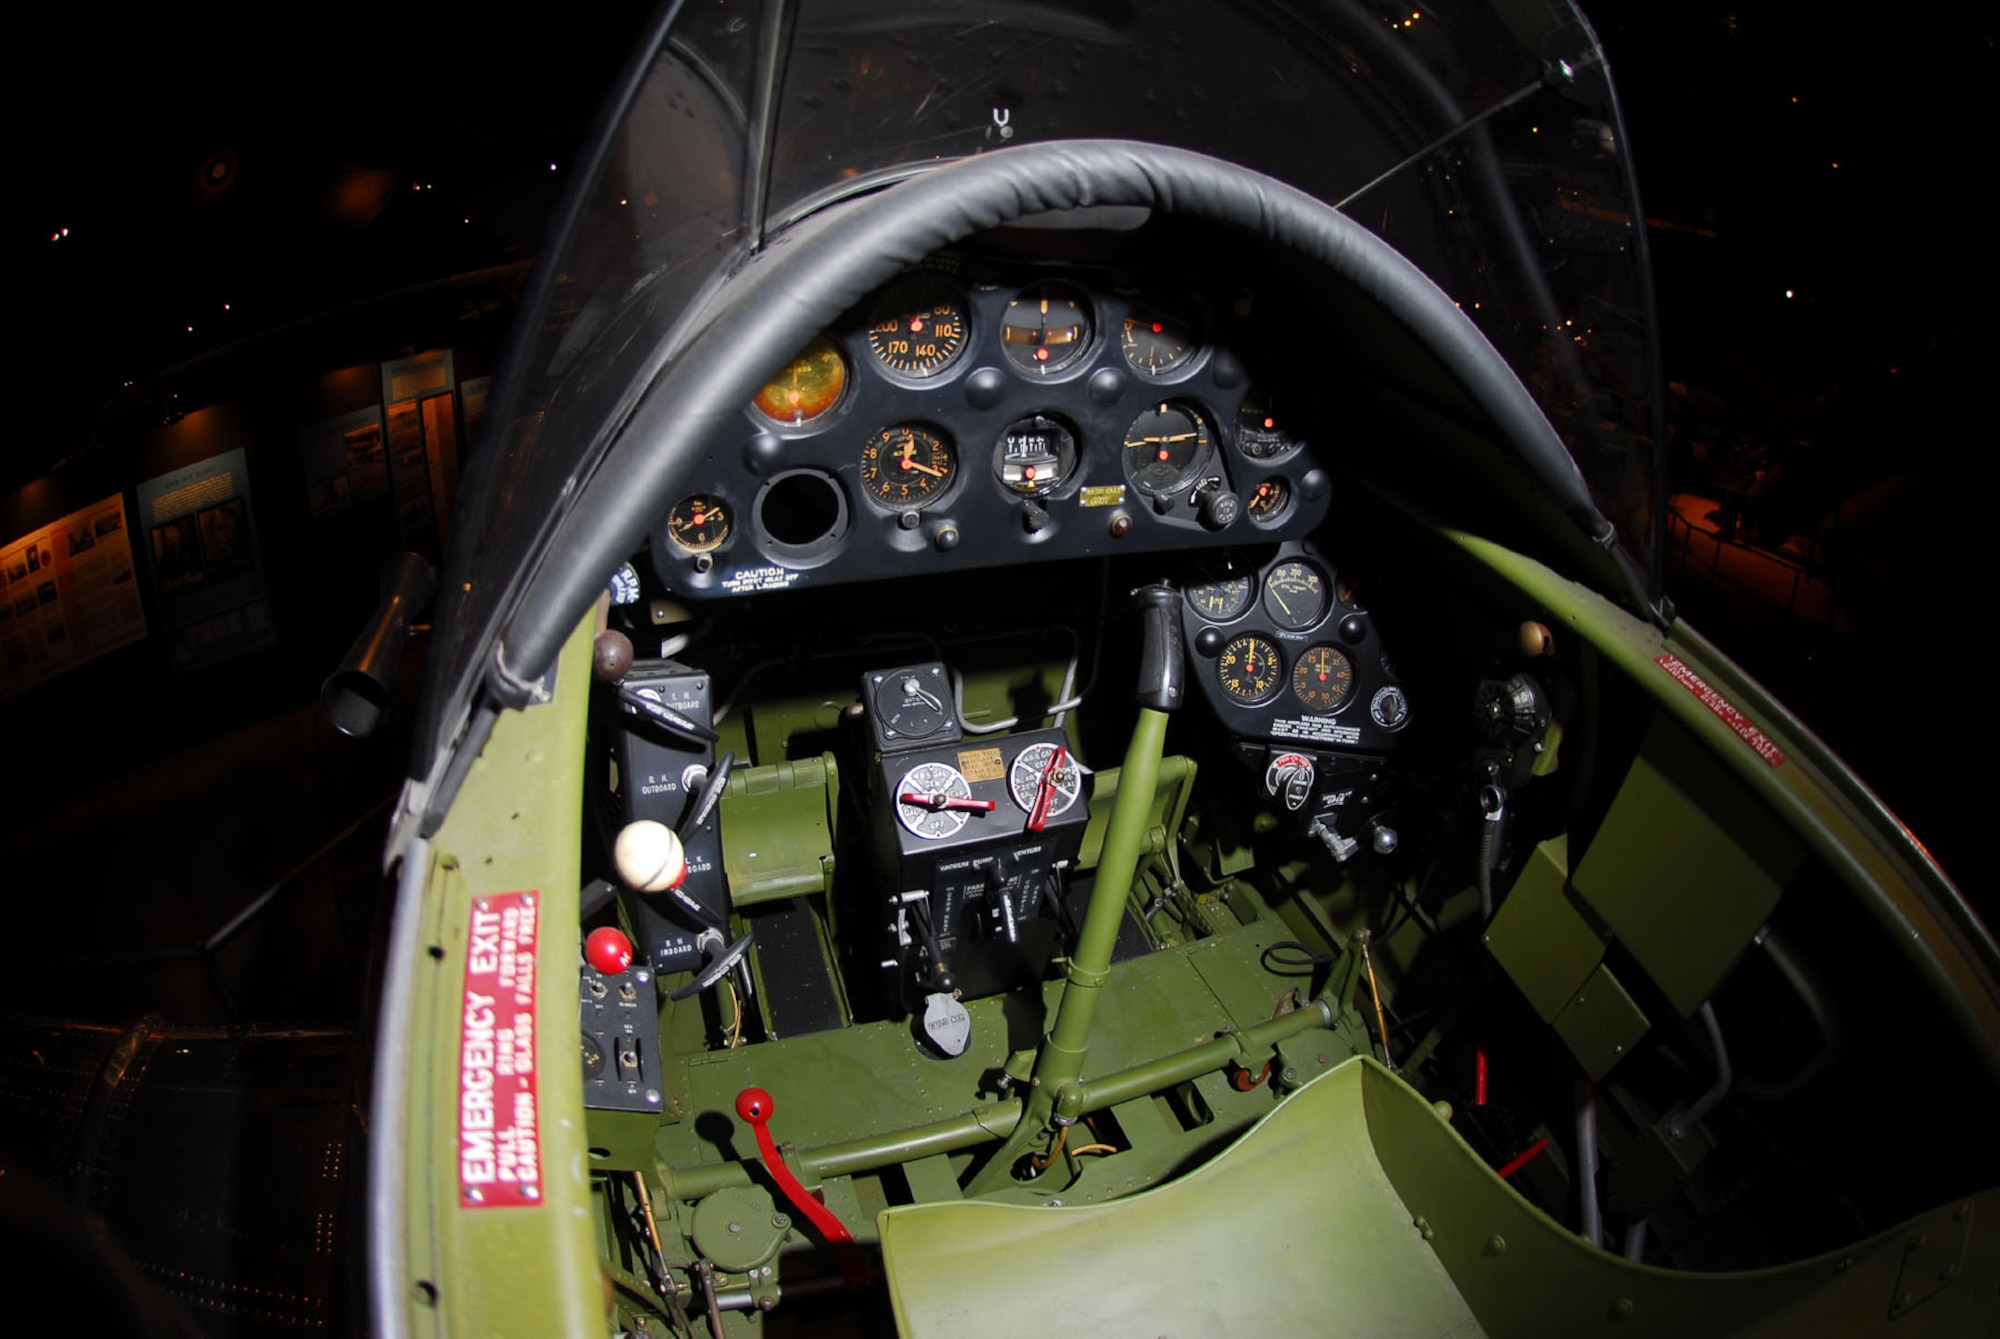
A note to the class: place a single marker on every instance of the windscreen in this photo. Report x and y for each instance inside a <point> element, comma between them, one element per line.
<point>1481,140</point>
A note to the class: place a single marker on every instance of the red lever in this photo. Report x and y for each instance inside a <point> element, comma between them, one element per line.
<point>608,950</point>
<point>755,1105</point>
<point>1045,791</point>
<point>940,801</point>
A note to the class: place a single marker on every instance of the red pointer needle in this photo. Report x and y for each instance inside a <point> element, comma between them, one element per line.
<point>943,801</point>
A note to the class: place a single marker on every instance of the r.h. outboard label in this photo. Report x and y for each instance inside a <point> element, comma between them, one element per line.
<point>499,1126</point>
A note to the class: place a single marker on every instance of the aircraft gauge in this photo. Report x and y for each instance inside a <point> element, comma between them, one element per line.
<point>1166,447</point>
<point>1221,601</point>
<point>919,327</point>
<point>1156,345</point>
<point>1250,670</point>
<point>811,384</point>
<point>1041,770</point>
<point>1047,328</point>
<point>698,523</point>
<point>1295,595</point>
<point>907,467</point>
<point>1323,679</point>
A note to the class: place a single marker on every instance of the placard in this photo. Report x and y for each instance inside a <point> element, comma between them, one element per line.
<point>198,533</point>
<point>67,595</point>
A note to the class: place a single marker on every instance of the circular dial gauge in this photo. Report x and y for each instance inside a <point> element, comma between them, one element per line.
<point>1047,328</point>
<point>1165,447</point>
<point>1260,430</point>
<point>1295,595</point>
<point>1035,454</point>
<point>1154,344</point>
<point>932,823</point>
<point>1250,670</point>
<point>1031,770</point>
<point>910,708</point>
<point>1323,679</point>
<point>699,522</point>
<point>1269,502</point>
<point>810,385</point>
<point>907,467</point>
<point>918,328</point>
<point>1220,601</point>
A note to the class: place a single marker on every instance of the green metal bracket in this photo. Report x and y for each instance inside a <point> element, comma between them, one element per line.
<point>777,825</point>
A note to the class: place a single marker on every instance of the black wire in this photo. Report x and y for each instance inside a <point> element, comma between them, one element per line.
<point>1288,957</point>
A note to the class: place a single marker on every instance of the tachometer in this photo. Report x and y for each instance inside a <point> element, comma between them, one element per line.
<point>1047,328</point>
<point>907,466</point>
<point>918,328</point>
<point>1166,447</point>
<point>1295,595</point>
<point>1323,679</point>
<point>810,385</point>
<point>698,523</point>
<point>1250,670</point>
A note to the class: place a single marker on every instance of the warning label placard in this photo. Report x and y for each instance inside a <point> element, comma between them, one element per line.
<point>499,1140</point>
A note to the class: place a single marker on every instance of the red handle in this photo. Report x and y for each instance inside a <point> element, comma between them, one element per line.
<point>755,1105</point>
<point>944,801</point>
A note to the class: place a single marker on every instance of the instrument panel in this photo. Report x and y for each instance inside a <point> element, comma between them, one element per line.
<point>1290,655</point>
<point>974,413</point>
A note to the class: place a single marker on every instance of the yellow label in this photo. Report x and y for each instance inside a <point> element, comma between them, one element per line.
<point>981,765</point>
<point>1102,495</point>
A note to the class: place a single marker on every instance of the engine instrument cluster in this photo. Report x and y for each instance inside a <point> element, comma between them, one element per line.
<point>976,413</point>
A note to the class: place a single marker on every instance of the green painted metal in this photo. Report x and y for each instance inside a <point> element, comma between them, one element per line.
<point>1601,1023</point>
<point>1541,941</point>
<point>1813,794</point>
<point>1355,1209</point>
<point>777,822</point>
<point>516,827</point>
<point>1686,867</point>
<point>1524,1274</point>
<point>1060,1060</point>
<point>740,1229</point>
<point>1293,1230</point>
<point>1163,995</point>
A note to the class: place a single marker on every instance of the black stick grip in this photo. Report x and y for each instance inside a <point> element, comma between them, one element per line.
<point>1162,658</point>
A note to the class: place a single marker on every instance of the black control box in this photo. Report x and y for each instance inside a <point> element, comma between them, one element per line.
<point>621,1040</point>
<point>974,831</point>
<point>661,772</point>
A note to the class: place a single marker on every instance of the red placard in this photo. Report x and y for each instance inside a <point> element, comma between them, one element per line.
<point>499,1126</point>
<point>1721,706</point>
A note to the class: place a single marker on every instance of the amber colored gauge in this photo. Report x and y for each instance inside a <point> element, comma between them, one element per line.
<point>809,386</point>
<point>698,522</point>
<point>1250,670</point>
<point>907,466</point>
<point>1323,678</point>
<point>918,328</point>
<point>1269,501</point>
<point>1047,328</point>
<point>1155,344</point>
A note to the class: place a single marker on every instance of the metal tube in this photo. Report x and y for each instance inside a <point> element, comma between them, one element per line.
<point>993,1122</point>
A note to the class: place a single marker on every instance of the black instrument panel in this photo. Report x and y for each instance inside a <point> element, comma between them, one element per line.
<point>1289,654</point>
<point>974,413</point>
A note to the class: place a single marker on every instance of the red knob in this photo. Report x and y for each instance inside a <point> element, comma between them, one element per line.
<point>608,950</point>
<point>754,1105</point>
